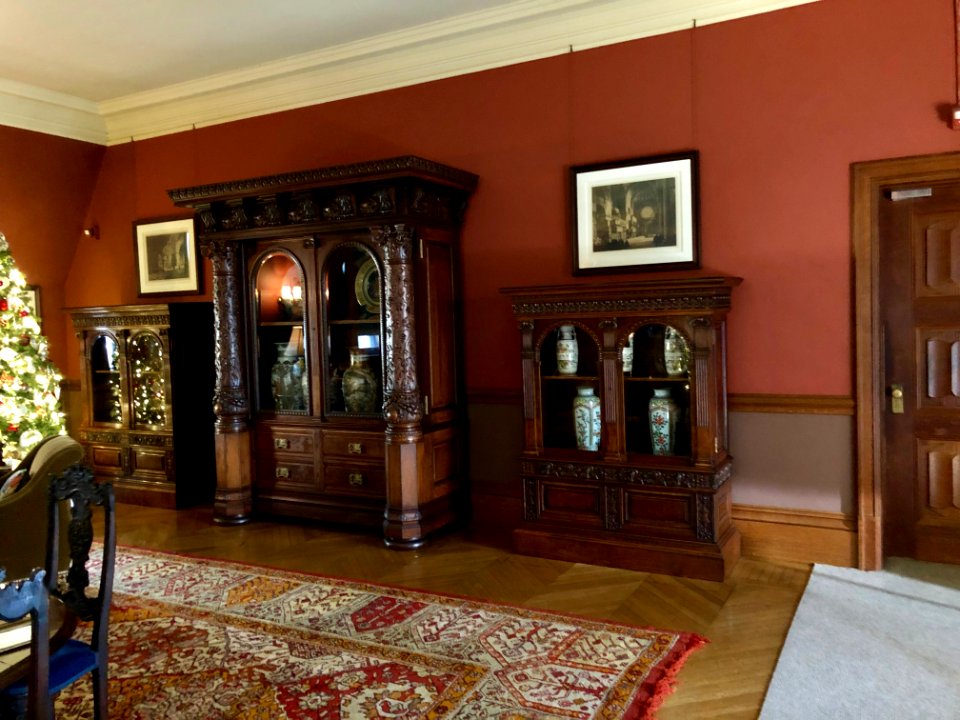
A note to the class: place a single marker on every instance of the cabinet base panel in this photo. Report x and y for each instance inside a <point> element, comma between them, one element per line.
<point>159,495</point>
<point>334,514</point>
<point>705,561</point>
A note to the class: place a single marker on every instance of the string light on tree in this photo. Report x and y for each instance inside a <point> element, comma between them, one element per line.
<point>29,382</point>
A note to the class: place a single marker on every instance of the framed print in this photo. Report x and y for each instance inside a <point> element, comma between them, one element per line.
<point>31,298</point>
<point>636,215</point>
<point>166,253</point>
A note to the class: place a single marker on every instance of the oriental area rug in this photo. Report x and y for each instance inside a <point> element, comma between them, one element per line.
<point>203,639</point>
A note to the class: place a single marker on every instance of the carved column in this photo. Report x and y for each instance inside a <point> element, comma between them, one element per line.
<point>233,501</point>
<point>402,403</point>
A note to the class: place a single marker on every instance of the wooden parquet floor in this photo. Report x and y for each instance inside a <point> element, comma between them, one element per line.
<point>746,618</point>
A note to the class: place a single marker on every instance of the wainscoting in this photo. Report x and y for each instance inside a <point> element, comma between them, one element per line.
<point>793,482</point>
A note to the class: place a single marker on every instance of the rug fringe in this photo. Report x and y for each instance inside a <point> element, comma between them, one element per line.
<point>646,704</point>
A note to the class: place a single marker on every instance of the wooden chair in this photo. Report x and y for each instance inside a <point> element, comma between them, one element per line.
<point>75,658</point>
<point>17,599</point>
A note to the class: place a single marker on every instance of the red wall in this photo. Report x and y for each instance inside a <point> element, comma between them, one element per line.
<point>778,105</point>
<point>45,185</point>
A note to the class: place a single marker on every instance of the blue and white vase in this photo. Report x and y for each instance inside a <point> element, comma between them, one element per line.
<point>586,419</point>
<point>567,351</point>
<point>663,421</point>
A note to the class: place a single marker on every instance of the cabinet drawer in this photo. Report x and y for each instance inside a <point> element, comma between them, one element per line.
<point>282,474</point>
<point>353,444</point>
<point>107,458</point>
<point>285,440</point>
<point>352,479</point>
<point>568,502</point>
<point>150,461</point>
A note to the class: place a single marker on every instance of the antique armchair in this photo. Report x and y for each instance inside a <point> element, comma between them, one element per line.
<point>23,513</point>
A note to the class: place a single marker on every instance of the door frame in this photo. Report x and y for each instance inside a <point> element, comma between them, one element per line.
<point>868,179</point>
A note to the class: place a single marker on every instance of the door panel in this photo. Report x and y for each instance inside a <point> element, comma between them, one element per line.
<point>919,273</point>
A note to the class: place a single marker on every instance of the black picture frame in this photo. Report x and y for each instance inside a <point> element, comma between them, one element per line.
<point>636,215</point>
<point>166,256</point>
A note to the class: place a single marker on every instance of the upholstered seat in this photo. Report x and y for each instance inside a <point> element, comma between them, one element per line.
<point>23,514</point>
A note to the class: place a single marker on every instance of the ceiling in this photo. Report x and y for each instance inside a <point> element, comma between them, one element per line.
<point>109,71</point>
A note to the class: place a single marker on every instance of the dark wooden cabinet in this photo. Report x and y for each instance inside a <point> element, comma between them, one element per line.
<point>635,501</point>
<point>147,384</point>
<point>339,392</point>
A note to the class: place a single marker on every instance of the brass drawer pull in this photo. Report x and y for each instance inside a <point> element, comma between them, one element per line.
<point>355,448</point>
<point>283,472</point>
<point>281,443</point>
<point>355,479</point>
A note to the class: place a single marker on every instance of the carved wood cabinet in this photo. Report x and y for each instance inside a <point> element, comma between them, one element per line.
<point>336,295</point>
<point>147,383</point>
<point>654,494</point>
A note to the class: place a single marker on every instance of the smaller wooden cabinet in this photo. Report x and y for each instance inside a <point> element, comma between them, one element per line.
<point>147,388</point>
<point>635,499</point>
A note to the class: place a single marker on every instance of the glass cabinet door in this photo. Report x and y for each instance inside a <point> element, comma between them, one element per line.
<point>656,390</point>
<point>283,381</point>
<point>351,312</point>
<point>105,382</point>
<point>148,392</point>
<point>570,389</point>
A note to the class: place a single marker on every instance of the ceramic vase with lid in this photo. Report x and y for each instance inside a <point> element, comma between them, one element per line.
<point>288,380</point>
<point>586,419</point>
<point>359,384</point>
<point>674,352</point>
<point>663,421</point>
<point>567,351</point>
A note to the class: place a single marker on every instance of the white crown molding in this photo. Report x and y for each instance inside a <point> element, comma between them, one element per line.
<point>30,108</point>
<point>507,35</point>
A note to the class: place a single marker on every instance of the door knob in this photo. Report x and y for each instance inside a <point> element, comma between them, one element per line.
<point>896,399</point>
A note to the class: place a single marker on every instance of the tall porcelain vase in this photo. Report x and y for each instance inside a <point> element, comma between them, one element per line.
<point>567,351</point>
<point>663,421</point>
<point>586,419</point>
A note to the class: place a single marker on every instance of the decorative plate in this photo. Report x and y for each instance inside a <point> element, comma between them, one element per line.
<point>367,287</point>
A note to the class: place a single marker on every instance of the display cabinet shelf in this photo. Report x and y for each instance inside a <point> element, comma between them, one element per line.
<point>655,493</point>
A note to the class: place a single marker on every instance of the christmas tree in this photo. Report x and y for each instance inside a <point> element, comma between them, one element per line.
<point>29,383</point>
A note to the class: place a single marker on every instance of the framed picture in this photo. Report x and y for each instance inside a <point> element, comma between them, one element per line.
<point>638,214</point>
<point>166,253</point>
<point>31,298</point>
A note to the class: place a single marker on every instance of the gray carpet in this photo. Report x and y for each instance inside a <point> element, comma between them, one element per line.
<point>872,645</point>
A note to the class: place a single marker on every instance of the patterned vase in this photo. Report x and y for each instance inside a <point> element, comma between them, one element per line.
<point>567,351</point>
<point>287,380</point>
<point>674,352</point>
<point>359,384</point>
<point>663,421</point>
<point>586,419</point>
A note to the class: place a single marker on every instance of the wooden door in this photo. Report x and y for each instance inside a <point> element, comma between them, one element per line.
<point>919,314</point>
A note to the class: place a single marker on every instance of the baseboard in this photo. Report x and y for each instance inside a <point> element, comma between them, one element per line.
<point>781,534</point>
<point>804,536</point>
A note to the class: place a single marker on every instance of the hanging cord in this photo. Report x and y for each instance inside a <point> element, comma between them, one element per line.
<point>955,118</point>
